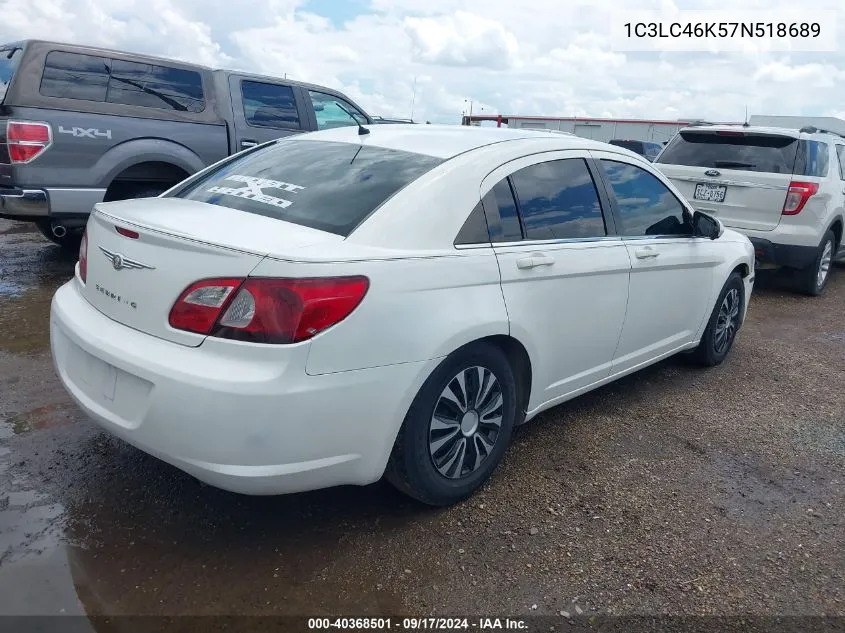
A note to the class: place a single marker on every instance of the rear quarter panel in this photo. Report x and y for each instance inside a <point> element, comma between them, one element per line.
<point>417,308</point>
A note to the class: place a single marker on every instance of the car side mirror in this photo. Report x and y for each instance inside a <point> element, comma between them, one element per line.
<point>704,225</point>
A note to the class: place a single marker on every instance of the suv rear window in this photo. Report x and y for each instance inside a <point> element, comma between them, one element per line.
<point>94,78</point>
<point>323,185</point>
<point>9,59</point>
<point>735,150</point>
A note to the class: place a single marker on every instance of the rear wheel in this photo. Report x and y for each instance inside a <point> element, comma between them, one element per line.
<point>724,323</point>
<point>457,428</point>
<point>813,279</point>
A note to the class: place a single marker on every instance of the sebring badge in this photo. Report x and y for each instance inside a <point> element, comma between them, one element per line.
<point>119,261</point>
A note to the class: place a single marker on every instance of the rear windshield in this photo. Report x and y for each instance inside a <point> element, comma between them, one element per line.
<point>9,59</point>
<point>323,185</point>
<point>752,152</point>
<point>634,146</point>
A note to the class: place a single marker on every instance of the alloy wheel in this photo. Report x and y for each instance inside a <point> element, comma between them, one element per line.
<point>466,422</point>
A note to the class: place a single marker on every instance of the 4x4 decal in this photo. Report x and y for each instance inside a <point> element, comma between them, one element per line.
<point>81,132</point>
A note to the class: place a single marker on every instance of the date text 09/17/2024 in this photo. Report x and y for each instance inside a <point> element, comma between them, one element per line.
<point>418,624</point>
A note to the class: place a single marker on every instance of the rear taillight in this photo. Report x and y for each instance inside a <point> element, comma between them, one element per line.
<point>27,140</point>
<point>83,257</point>
<point>797,196</point>
<point>267,310</point>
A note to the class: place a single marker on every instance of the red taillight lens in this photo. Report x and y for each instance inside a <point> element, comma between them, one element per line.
<point>83,257</point>
<point>797,196</point>
<point>26,140</point>
<point>266,310</point>
<point>200,304</point>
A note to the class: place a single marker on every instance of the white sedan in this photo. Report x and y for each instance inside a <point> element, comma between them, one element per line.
<point>342,305</point>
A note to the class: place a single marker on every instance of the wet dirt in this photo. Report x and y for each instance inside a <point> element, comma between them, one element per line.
<point>677,490</point>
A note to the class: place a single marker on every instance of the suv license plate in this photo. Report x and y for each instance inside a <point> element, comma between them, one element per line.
<point>710,192</point>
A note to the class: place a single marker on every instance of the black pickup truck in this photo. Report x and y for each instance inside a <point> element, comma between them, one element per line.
<point>81,125</point>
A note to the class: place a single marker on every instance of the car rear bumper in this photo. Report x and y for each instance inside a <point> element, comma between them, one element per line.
<point>783,254</point>
<point>237,416</point>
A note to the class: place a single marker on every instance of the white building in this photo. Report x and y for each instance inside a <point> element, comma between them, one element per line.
<point>605,130</point>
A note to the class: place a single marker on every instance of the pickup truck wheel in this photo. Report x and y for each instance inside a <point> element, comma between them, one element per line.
<point>69,241</point>
<point>145,192</point>
<point>457,427</point>
<point>813,279</point>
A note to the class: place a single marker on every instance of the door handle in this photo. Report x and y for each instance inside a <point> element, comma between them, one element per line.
<point>248,143</point>
<point>534,260</point>
<point>646,253</point>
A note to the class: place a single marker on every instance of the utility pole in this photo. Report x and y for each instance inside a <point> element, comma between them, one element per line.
<point>414,98</point>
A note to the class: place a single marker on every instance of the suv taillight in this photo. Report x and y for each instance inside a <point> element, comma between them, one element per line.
<point>27,140</point>
<point>83,257</point>
<point>267,310</point>
<point>797,196</point>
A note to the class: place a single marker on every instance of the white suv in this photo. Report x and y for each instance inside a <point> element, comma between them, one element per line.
<point>784,189</point>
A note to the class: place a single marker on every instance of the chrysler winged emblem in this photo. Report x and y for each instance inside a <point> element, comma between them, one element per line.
<point>120,262</point>
<point>713,173</point>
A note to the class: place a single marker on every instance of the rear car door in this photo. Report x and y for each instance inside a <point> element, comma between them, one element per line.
<point>742,178</point>
<point>672,272</point>
<point>564,272</point>
<point>265,110</point>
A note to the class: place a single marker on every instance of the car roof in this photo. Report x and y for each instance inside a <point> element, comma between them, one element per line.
<point>447,141</point>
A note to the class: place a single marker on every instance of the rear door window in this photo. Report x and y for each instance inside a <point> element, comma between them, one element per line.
<point>333,111</point>
<point>75,76</point>
<point>558,200</point>
<point>323,185</point>
<point>269,105</point>
<point>151,86</point>
<point>732,150</point>
<point>9,60</point>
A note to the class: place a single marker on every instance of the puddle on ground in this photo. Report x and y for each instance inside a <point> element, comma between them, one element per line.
<point>119,533</point>
<point>38,268</point>
<point>45,417</point>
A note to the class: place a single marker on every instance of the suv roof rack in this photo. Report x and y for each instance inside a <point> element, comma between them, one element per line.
<point>811,129</point>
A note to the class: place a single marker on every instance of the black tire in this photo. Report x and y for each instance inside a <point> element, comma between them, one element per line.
<point>69,241</point>
<point>808,279</point>
<point>713,349</point>
<point>145,192</point>
<point>412,469</point>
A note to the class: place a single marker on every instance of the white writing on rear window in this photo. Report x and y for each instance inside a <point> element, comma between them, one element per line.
<point>254,190</point>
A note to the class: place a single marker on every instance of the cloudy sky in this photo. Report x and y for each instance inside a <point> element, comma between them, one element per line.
<point>552,59</point>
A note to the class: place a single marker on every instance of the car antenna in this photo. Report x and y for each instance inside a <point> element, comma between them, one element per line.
<point>361,129</point>
<point>746,124</point>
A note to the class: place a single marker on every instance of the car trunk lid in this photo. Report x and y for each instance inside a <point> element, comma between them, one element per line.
<point>143,253</point>
<point>740,177</point>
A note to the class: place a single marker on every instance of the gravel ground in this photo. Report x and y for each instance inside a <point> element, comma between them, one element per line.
<point>675,491</point>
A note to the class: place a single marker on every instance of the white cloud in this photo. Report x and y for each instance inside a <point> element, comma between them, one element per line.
<point>552,59</point>
<point>462,39</point>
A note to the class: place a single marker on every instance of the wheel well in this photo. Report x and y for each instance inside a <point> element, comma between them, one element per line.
<point>742,269</point>
<point>521,364</point>
<point>153,174</point>
<point>836,227</point>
